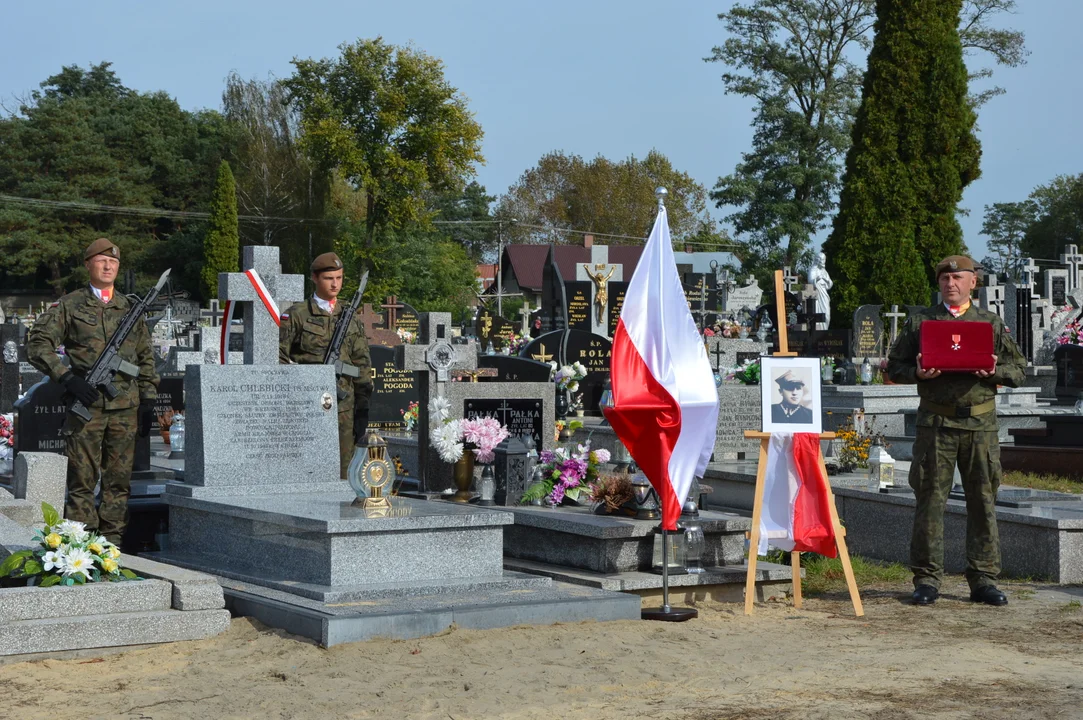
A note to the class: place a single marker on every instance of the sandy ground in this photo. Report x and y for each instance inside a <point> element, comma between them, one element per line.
<point>953,660</point>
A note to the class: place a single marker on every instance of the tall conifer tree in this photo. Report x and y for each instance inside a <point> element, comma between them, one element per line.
<point>222,246</point>
<point>914,151</point>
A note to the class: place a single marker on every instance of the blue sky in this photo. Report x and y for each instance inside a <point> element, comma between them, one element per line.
<point>586,77</point>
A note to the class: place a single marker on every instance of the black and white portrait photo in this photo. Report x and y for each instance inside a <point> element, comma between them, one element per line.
<point>790,394</point>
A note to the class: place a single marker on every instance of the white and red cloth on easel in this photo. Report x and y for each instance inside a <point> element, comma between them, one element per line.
<point>795,514</point>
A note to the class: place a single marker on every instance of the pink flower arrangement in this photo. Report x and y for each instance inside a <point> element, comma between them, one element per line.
<point>1072,334</point>
<point>567,474</point>
<point>486,433</point>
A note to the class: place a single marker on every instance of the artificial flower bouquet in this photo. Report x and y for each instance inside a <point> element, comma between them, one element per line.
<point>515,342</point>
<point>747,373</point>
<point>409,415</point>
<point>69,554</point>
<point>450,437</point>
<point>1072,334</point>
<point>405,335</point>
<point>567,377</point>
<point>7,438</point>
<point>567,474</point>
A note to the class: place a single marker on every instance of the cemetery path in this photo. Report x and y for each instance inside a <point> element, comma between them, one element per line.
<point>953,660</point>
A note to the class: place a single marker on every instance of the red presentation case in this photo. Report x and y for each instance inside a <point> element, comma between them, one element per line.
<point>957,346</point>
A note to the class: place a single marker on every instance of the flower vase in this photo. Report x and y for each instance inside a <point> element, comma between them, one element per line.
<point>563,406</point>
<point>464,476</point>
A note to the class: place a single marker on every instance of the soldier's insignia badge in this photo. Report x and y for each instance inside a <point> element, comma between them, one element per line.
<point>956,341</point>
<point>53,305</point>
<point>953,265</point>
<point>113,251</point>
<point>284,316</point>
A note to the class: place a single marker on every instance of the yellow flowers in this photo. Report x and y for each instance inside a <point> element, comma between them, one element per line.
<point>114,552</point>
<point>95,548</point>
<point>53,540</point>
<point>109,565</point>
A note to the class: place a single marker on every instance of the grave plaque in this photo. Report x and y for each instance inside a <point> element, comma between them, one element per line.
<point>260,426</point>
<point>743,357</point>
<point>41,414</point>
<point>739,410</point>
<point>617,291</point>
<point>392,390</point>
<point>579,304</point>
<point>1069,363</point>
<point>521,417</point>
<point>408,319</point>
<point>868,332</point>
<point>510,368</point>
<point>170,394</point>
<point>490,327</point>
<point>830,343</point>
<point>1058,293</point>
<point>594,351</point>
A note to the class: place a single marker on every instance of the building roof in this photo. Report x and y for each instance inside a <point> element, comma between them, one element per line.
<point>528,261</point>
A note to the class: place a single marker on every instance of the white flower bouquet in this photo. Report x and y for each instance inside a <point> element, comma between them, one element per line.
<point>567,377</point>
<point>69,555</point>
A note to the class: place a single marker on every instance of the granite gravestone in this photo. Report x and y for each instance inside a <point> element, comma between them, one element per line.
<point>13,349</point>
<point>491,328</point>
<point>401,316</point>
<point>392,390</point>
<point>739,410</point>
<point>565,348</point>
<point>510,368</point>
<point>702,297</point>
<point>170,394</point>
<point>261,427</point>
<point>868,332</point>
<point>617,291</point>
<point>554,299</point>
<point>40,414</point>
<point>747,296</point>
<point>598,273</point>
<point>1068,360</point>
<point>432,361</point>
<point>1056,287</point>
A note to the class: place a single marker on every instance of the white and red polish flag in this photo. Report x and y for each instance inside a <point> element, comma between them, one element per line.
<point>795,513</point>
<point>665,404</point>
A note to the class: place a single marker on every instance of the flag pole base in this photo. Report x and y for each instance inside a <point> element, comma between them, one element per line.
<point>673,614</point>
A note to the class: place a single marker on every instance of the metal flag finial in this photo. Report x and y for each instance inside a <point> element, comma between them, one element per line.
<point>660,193</point>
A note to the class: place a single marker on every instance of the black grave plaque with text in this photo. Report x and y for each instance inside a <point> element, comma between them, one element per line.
<point>522,416</point>
<point>579,304</point>
<point>617,290</point>
<point>392,390</point>
<point>170,394</point>
<point>407,319</point>
<point>41,414</point>
<point>1059,292</point>
<point>868,332</point>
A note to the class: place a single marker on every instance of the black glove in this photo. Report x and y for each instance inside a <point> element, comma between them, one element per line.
<point>83,391</point>
<point>146,417</point>
<point>360,423</point>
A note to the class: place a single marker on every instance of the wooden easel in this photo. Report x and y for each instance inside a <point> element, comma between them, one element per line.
<point>761,475</point>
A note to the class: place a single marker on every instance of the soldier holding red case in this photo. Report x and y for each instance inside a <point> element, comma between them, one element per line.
<point>956,424</point>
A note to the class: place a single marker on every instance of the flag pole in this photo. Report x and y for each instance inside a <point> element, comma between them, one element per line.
<point>665,571</point>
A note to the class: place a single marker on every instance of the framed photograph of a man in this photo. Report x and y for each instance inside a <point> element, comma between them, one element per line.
<point>790,394</point>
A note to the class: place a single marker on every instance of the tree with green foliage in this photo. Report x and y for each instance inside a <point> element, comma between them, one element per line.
<point>1058,217</point>
<point>914,151</point>
<point>613,199</point>
<point>466,218</point>
<point>1006,224</point>
<point>386,118</point>
<point>85,138</point>
<point>222,245</point>
<point>793,58</point>
<point>796,59</point>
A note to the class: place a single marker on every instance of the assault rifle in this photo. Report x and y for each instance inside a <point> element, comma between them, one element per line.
<point>334,350</point>
<point>109,363</point>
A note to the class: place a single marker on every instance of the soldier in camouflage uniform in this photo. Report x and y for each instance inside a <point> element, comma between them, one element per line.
<point>305,334</point>
<point>83,321</point>
<point>956,423</point>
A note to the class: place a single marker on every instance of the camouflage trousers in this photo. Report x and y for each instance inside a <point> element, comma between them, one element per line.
<point>932,472</point>
<point>106,444</point>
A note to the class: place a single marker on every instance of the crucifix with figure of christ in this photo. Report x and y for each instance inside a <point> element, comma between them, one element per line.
<point>601,294</point>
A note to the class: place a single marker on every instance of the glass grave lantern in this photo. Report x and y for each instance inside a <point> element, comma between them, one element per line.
<point>881,467</point>
<point>676,549</point>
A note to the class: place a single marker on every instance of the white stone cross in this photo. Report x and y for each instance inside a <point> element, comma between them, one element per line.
<point>1073,260</point>
<point>895,316</point>
<point>789,278</point>
<point>213,313</point>
<point>260,329</point>
<point>1029,273</point>
<point>524,313</point>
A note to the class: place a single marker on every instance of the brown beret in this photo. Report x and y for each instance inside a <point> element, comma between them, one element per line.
<point>101,246</point>
<point>956,263</point>
<point>327,261</point>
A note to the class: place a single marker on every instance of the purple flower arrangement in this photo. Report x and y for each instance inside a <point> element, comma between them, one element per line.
<point>567,474</point>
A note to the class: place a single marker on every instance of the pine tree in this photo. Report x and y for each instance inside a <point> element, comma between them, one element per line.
<point>914,151</point>
<point>221,247</point>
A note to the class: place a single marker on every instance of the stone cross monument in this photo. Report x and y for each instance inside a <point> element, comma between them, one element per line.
<point>261,332</point>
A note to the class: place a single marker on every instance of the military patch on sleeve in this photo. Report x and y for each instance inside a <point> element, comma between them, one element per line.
<point>285,316</point>
<point>53,305</point>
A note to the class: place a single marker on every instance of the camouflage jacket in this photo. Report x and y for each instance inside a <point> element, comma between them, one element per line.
<point>956,389</point>
<point>83,324</point>
<point>305,335</point>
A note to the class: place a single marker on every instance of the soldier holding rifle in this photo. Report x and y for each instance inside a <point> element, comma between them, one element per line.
<point>323,330</point>
<point>111,384</point>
